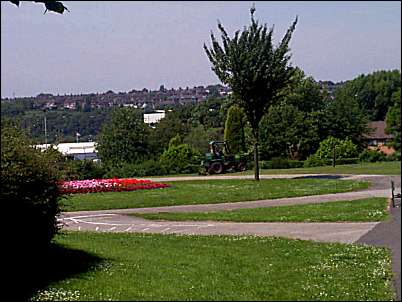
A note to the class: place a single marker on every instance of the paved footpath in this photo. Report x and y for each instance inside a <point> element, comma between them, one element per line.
<point>119,221</point>
<point>386,233</point>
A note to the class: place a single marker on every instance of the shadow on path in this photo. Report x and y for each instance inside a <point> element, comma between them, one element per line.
<point>388,234</point>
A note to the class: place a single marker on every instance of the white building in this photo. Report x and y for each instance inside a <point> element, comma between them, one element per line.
<point>83,150</point>
<point>155,117</point>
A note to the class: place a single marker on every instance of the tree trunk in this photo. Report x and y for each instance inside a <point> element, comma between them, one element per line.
<point>256,165</point>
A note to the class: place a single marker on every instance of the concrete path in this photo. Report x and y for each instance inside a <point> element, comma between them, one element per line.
<point>117,221</point>
<point>388,234</point>
<point>324,232</point>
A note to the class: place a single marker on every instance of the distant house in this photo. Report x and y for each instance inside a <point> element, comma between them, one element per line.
<point>377,139</point>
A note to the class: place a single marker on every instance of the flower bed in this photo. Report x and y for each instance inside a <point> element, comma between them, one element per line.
<point>108,185</point>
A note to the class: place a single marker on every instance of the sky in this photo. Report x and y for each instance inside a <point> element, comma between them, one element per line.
<point>120,46</point>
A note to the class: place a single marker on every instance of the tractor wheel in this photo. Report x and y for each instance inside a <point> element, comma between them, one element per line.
<point>215,168</point>
<point>241,167</point>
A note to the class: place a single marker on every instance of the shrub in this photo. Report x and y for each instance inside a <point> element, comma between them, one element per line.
<point>87,169</point>
<point>346,161</point>
<point>394,156</point>
<point>181,159</point>
<point>372,156</point>
<point>29,191</point>
<point>343,148</point>
<point>147,168</point>
<point>281,163</point>
<point>314,161</point>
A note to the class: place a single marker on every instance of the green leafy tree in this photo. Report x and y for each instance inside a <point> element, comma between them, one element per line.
<point>373,92</point>
<point>165,130</point>
<point>342,148</point>
<point>180,159</point>
<point>344,119</point>
<point>208,113</point>
<point>29,188</point>
<point>288,132</point>
<point>253,68</point>
<point>234,130</point>
<point>175,141</point>
<point>199,137</point>
<point>293,127</point>
<point>124,138</point>
<point>393,120</point>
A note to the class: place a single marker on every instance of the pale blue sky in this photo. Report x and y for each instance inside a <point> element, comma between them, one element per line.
<point>122,46</point>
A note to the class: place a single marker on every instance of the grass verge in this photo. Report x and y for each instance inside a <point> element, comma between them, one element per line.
<point>171,267</point>
<point>210,191</point>
<point>368,209</point>
<point>379,168</point>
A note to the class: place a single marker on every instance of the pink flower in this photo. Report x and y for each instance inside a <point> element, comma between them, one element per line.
<point>108,185</point>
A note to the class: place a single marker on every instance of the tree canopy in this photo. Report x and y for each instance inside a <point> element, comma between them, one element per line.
<point>253,68</point>
<point>373,92</point>
<point>124,138</point>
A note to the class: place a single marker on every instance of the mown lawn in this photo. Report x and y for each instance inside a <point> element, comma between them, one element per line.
<point>378,168</point>
<point>172,267</point>
<point>210,191</point>
<point>368,209</point>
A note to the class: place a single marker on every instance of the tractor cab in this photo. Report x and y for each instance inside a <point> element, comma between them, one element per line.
<point>220,160</point>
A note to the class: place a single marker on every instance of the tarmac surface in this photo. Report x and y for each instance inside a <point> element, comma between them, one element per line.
<point>386,233</point>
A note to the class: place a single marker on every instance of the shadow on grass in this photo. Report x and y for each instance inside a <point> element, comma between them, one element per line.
<point>54,265</point>
<point>323,176</point>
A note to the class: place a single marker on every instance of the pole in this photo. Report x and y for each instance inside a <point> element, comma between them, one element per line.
<point>333,156</point>
<point>45,129</point>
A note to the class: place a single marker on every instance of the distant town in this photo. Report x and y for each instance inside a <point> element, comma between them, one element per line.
<point>144,98</point>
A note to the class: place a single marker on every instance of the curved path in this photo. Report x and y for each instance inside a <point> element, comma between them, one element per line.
<point>387,233</point>
<point>118,221</point>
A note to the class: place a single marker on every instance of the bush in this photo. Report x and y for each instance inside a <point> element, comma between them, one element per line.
<point>343,148</point>
<point>372,156</point>
<point>29,191</point>
<point>281,163</point>
<point>181,159</point>
<point>314,161</point>
<point>146,168</point>
<point>394,156</point>
<point>346,161</point>
<point>87,169</point>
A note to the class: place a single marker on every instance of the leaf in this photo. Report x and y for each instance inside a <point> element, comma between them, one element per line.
<point>55,6</point>
<point>15,2</point>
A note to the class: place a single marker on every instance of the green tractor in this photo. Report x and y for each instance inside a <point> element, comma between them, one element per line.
<point>220,160</point>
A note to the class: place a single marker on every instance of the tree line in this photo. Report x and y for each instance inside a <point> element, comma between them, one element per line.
<point>293,128</point>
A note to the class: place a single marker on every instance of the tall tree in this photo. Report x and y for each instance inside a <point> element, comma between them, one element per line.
<point>253,68</point>
<point>234,130</point>
<point>373,92</point>
<point>123,138</point>
<point>344,118</point>
<point>393,120</point>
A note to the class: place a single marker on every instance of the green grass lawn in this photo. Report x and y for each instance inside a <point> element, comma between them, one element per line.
<point>369,209</point>
<point>209,191</point>
<point>380,168</point>
<point>171,267</point>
